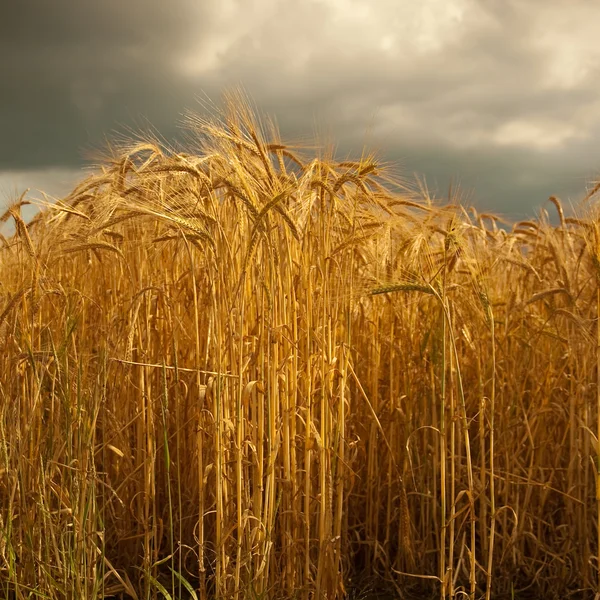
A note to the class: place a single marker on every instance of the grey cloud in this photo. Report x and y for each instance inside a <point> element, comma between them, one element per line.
<point>78,70</point>
<point>469,110</point>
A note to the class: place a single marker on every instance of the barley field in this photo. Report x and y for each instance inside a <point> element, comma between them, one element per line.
<point>252,372</point>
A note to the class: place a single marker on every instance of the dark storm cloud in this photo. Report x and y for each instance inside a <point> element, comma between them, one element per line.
<point>499,95</point>
<point>72,71</point>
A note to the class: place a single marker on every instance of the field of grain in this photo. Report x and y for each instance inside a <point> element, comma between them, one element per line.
<point>241,372</point>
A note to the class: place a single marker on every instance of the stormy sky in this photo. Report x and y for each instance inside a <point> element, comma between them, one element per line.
<point>500,96</point>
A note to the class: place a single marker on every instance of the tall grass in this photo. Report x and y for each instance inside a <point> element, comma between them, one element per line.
<point>241,373</point>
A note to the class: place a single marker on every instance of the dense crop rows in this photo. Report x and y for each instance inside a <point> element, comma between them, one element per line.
<point>254,375</point>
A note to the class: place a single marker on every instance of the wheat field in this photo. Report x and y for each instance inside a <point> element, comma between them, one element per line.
<point>241,372</point>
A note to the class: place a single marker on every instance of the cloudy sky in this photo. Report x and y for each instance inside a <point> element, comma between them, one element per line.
<point>501,96</point>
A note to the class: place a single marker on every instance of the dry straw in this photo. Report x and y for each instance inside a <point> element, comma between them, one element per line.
<point>244,374</point>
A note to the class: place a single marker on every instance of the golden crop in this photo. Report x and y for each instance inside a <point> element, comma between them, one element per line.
<point>241,373</point>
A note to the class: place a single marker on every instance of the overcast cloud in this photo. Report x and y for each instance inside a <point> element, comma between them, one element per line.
<point>500,95</point>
